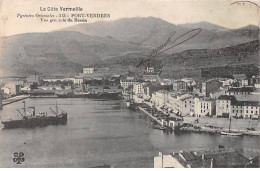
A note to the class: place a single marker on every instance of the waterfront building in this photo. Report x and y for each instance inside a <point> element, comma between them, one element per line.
<point>78,80</point>
<point>210,86</point>
<point>11,89</point>
<point>149,89</point>
<point>6,91</point>
<point>159,98</point>
<point>88,70</point>
<point>219,158</point>
<point>128,81</point>
<point>172,122</point>
<point>182,103</point>
<point>57,78</point>
<point>227,106</point>
<point>223,105</point>
<point>204,106</point>
<point>138,88</point>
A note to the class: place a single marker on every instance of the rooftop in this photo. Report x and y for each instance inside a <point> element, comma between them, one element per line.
<point>227,97</point>
<point>247,103</point>
<point>242,89</point>
<point>218,159</point>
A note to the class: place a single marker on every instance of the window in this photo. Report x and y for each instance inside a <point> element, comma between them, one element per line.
<point>227,106</point>
<point>246,111</point>
<point>233,111</point>
<point>241,111</point>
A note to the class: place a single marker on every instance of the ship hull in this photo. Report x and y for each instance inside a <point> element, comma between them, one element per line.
<point>231,133</point>
<point>36,122</point>
<point>112,96</point>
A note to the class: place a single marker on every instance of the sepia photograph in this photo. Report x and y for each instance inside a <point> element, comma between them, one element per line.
<point>129,84</point>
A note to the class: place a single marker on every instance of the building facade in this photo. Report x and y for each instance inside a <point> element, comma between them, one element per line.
<point>227,106</point>
<point>129,81</point>
<point>138,88</point>
<point>88,70</point>
<point>204,106</point>
<point>210,86</point>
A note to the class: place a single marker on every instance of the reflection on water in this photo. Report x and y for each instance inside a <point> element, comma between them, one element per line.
<point>98,132</point>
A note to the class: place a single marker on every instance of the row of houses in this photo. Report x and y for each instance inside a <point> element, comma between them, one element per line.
<point>183,97</point>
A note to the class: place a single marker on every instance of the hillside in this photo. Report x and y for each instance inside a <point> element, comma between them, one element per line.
<point>203,25</point>
<point>188,63</point>
<point>63,52</point>
<point>153,32</point>
<point>120,44</point>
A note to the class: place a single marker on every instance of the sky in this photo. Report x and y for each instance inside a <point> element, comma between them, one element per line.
<point>219,12</point>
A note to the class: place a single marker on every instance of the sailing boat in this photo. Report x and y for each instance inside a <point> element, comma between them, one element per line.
<point>229,132</point>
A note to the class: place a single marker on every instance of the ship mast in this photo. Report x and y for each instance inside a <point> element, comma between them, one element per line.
<point>57,108</point>
<point>24,108</point>
<point>229,125</point>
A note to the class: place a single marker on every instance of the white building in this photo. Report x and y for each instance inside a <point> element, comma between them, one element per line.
<point>244,82</point>
<point>6,90</point>
<point>223,105</point>
<point>138,88</point>
<point>25,88</point>
<point>78,80</point>
<point>226,81</point>
<point>88,70</point>
<point>228,106</point>
<point>13,88</point>
<point>166,161</point>
<point>159,98</point>
<point>150,69</point>
<point>204,106</point>
<point>181,102</point>
<point>172,122</point>
<point>125,83</point>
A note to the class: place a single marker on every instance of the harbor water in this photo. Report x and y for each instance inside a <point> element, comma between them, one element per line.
<point>98,132</point>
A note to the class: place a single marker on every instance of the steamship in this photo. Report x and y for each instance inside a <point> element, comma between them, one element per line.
<point>36,120</point>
